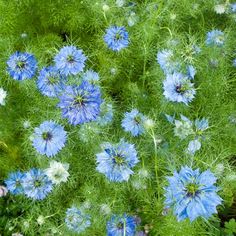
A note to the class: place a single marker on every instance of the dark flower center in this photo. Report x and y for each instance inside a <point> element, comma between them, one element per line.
<point>79,100</point>
<point>137,119</point>
<point>38,183</point>
<point>47,136</point>
<point>192,189</point>
<point>21,64</point>
<point>120,225</point>
<point>118,36</point>
<point>70,59</point>
<point>18,184</point>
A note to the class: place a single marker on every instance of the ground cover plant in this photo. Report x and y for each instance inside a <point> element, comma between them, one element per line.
<point>117,117</point>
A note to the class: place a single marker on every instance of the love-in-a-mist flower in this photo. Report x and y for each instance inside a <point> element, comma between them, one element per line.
<point>116,38</point>
<point>80,104</point>
<point>201,125</point>
<point>70,60</point>
<point>76,220</point>
<point>117,160</point>
<point>133,122</point>
<point>3,95</point>
<point>36,184</point>
<point>167,62</point>
<point>57,172</point>
<point>21,66</point>
<point>183,127</point>
<point>50,82</point>
<point>106,114</point>
<point>90,76</point>
<point>14,182</point>
<point>49,138</point>
<point>193,146</point>
<point>192,194</point>
<point>215,37</point>
<point>120,225</point>
<point>178,88</point>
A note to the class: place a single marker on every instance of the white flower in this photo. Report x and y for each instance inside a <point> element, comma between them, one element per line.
<point>41,220</point>
<point>193,146</point>
<point>57,172</point>
<point>26,124</point>
<point>220,8</point>
<point>105,7</point>
<point>149,124</point>
<point>3,95</point>
<point>143,173</point>
<point>105,209</point>
<point>219,169</point>
<point>3,191</point>
<point>120,3</point>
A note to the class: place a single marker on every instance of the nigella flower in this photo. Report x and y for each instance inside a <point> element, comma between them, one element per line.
<point>191,71</point>
<point>133,122</point>
<point>193,146</point>
<point>178,88</point>
<point>50,82</point>
<point>14,182</point>
<point>116,160</point>
<point>192,194</point>
<point>3,95</point>
<point>116,38</point>
<point>21,66</point>
<point>215,37</point>
<point>77,220</point>
<point>70,60</point>
<point>121,225</point>
<point>91,76</point>
<point>81,103</point>
<point>57,172</point>
<point>106,115</point>
<point>49,138</point>
<point>36,184</point>
<point>233,7</point>
<point>166,60</point>
<point>234,62</point>
<point>201,125</point>
<point>183,127</point>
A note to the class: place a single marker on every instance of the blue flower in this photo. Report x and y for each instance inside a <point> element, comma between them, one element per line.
<point>106,115</point>
<point>192,194</point>
<point>81,103</point>
<point>21,66</point>
<point>193,146</point>
<point>133,122</point>
<point>116,38</point>
<point>233,7</point>
<point>50,82</point>
<point>183,128</point>
<point>121,225</point>
<point>91,76</point>
<point>36,184</point>
<point>49,138</point>
<point>166,60</point>
<point>201,125</point>
<point>191,71</point>
<point>116,161</point>
<point>178,88</point>
<point>77,220</point>
<point>215,37</point>
<point>14,182</point>
<point>70,60</point>
<point>234,62</point>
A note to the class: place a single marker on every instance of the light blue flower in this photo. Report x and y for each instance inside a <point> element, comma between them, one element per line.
<point>70,60</point>
<point>36,184</point>
<point>183,128</point>
<point>192,194</point>
<point>193,146</point>
<point>191,71</point>
<point>133,122</point>
<point>166,60</point>
<point>201,125</point>
<point>106,115</point>
<point>90,76</point>
<point>116,38</point>
<point>121,225</point>
<point>21,66</point>
<point>14,182</point>
<point>49,138</point>
<point>233,7</point>
<point>215,37</point>
<point>50,82</point>
<point>117,160</point>
<point>76,220</point>
<point>178,88</point>
<point>80,104</point>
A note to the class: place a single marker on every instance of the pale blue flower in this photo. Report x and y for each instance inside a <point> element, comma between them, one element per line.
<point>215,37</point>
<point>14,182</point>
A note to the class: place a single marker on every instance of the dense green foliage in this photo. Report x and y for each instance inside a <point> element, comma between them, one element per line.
<point>136,83</point>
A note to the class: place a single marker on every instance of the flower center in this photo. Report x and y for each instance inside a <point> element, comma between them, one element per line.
<point>47,136</point>
<point>192,189</point>
<point>120,225</point>
<point>118,36</point>
<point>21,64</point>
<point>37,183</point>
<point>119,159</point>
<point>180,89</point>
<point>52,79</point>
<point>70,59</point>
<point>137,119</point>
